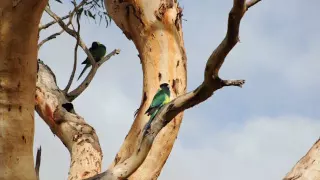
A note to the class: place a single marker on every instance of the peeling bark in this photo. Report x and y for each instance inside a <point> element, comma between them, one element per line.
<point>80,138</point>
<point>19,22</point>
<point>155,29</point>
<point>307,168</point>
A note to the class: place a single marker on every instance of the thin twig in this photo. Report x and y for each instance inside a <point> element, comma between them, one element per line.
<point>52,23</point>
<point>62,18</point>
<point>95,65</point>
<point>75,54</point>
<point>72,33</point>
<point>52,36</point>
<point>38,162</point>
<point>76,92</point>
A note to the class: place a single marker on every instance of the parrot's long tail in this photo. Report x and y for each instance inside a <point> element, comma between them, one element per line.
<point>147,126</point>
<point>84,69</point>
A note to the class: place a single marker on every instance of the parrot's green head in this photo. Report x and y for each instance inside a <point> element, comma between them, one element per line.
<point>165,87</point>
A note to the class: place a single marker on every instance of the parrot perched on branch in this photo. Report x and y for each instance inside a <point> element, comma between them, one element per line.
<point>161,98</point>
<point>98,51</point>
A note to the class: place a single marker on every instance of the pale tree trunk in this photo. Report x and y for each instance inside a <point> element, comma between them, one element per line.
<point>308,167</point>
<point>155,28</point>
<point>19,21</point>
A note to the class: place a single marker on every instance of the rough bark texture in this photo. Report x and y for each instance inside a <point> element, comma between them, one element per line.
<point>79,137</point>
<point>19,22</point>
<point>307,167</point>
<point>155,28</point>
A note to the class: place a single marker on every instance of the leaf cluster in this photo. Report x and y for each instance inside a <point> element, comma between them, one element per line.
<point>92,9</point>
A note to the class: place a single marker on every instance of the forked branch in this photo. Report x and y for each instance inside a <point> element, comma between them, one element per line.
<point>211,83</point>
<point>71,32</point>
<point>66,89</point>
<point>76,92</point>
<point>45,26</point>
<point>52,36</point>
<point>55,108</point>
<point>95,65</point>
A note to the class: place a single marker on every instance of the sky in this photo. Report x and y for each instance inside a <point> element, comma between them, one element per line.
<point>256,132</point>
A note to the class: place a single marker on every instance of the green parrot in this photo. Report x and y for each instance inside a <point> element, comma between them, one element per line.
<point>98,51</point>
<point>161,98</point>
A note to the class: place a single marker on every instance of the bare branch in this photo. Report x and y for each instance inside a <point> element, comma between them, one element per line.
<point>52,22</point>
<point>76,92</point>
<point>95,65</point>
<point>71,32</point>
<point>75,55</point>
<point>64,17</point>
<point>60,22</point>
<point>38,162</point>
<point>239,83</point>
<point>252,3</point>
<point>53,36</point>
<point>211,83</point>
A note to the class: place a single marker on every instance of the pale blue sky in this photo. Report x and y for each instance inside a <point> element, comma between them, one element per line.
<point>264,127</point>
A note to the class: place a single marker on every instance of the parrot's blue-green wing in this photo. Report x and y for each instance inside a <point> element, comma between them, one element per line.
<point>87,61</point>
<point>99,52</point>
<point>157,101</point>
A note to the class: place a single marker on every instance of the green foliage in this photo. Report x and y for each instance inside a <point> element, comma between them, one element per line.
<point>92,9</point>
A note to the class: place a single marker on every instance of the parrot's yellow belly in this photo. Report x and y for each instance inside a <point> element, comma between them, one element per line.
<point>167,100</point>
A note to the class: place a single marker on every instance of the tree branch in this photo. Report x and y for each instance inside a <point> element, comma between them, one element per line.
<point>239,83</point>
<point>71,32</point>
<point>66,89</point>
<point>95,65</point>
<point>79,137</point>
<point>53,36</point>
<point>41,27</point>
<point>76,92</point>
<point>211,83</point>
<point>252,3</point>
<point>38,162</point>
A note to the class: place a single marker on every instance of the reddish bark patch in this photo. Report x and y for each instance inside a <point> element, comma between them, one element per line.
<point>164,5</point>
<point>49,112</point>
<point>85,174</point>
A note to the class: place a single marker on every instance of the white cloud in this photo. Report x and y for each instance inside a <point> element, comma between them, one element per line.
<point>263,148</point>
